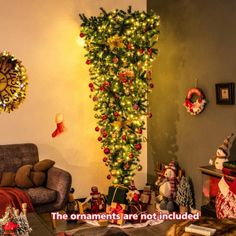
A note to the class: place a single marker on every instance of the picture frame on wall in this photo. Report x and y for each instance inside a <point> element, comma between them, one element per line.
<point>225,93</point>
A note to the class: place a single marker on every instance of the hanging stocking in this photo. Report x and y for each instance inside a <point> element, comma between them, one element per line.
<point>60,125</point>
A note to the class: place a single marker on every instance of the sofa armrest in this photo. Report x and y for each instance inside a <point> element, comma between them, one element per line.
<point>60,181</point>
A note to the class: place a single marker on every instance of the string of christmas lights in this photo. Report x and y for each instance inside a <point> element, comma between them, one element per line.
<point>120,50</point>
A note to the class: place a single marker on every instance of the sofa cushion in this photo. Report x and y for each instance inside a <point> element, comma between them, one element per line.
<point>8,179</point>
<point>43,165</point>
<point>23,177</point>
<point>38,178</point>
<point>41,195</point>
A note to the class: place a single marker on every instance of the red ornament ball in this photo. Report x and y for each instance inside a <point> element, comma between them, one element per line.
<point>99,138</point>
<point>105,159</point>
<point>139,131</point>
<point>104,117</point>
<point>149,51</point>
<point>90,85</point>
<point>82,35</point>
<point>106,150</point>
<point>129,46</point>
<point>124,137</point>
<point>104,134</point>
<point>102,88</point>
<point>108,176</point>
<point>131,155</point>
<point>97,129</point>
<point>116,113</point>
<point>138,146</point>
<point>135,106</point>
<point>88,62</point>
<point>141,51</point>
<point>95,98</point>
<point>149,115</point>
<point>115,59</point>
<point>106,84</point>
<point>139,168</point>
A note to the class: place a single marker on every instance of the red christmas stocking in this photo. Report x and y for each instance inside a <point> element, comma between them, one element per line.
<point>60,128</point>
<point>60,125</point>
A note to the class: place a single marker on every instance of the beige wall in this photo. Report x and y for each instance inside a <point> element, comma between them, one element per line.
<point>43,34</point>
<point>197,41</point>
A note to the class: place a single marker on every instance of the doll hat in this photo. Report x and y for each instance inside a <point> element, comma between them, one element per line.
<point>225,146</point>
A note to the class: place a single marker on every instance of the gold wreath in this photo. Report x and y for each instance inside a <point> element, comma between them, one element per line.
<point>13,82</point>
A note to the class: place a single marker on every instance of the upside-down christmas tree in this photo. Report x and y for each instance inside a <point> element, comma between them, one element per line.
<point>120,50</point>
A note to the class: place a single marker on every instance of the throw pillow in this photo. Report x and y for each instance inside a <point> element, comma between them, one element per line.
<point>43,165</point>
<point>38,178</point>
<point>8,179</point>
<point>23,177</point>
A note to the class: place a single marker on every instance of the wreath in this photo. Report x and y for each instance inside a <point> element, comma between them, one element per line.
<point>197,106</point>
<point>13,82</point>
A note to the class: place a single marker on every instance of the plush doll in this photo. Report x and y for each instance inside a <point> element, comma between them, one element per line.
<point>167,187</point>
<point>71,206</point>
<point>97,202</point>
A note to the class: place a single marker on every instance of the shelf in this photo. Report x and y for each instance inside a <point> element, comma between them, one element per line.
<point>211,170</point>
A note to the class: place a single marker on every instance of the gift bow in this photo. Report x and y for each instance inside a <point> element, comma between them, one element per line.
<point>117,210</point>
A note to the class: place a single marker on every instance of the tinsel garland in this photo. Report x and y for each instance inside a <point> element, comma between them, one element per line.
<point>120,50</point>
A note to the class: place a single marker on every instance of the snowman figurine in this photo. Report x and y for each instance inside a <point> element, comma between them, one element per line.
<point>222,153</point>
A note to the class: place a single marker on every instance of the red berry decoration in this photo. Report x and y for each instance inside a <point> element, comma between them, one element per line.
<point>151,85</point>
<point>82,35</point>
<point>99,138</point>
<point>116,113</point>
<point>104,134</point>
<point>105,159</point>
<point>90,85</point>
<point>88,62</point>
<point>124,137</point>
<point>138,146</point>
<point>108,176</point>
<point>106,150</point>
<point>97,129</point>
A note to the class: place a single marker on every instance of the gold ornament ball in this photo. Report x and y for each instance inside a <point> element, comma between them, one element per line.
<point>115,181</point>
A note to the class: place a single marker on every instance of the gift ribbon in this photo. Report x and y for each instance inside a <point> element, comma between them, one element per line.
<point>117,210</point>
<point>139,212</point>
<point>117,186</point>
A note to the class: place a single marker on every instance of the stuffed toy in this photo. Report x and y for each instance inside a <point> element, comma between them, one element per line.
<point>167,187</point>
<point>71,206</point>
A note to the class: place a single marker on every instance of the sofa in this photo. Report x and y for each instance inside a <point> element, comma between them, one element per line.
<point>50,197</point>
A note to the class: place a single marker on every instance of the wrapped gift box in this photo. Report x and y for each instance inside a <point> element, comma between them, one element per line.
<point>117,194</point>
<point>138,209</point>
<point>118,209</point>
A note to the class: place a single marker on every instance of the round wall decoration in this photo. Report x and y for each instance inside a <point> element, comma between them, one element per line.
<point>13,82</point>
<point>195,101</point>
